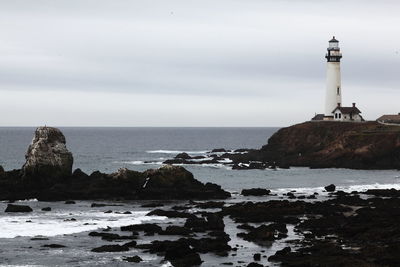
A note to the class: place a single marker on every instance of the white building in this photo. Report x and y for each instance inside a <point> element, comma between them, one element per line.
<point>347,113</point>
<point>333,96</point>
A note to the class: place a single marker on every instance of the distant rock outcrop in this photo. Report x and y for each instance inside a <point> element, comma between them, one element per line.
<point>47,175</point>
<point>48,158</point>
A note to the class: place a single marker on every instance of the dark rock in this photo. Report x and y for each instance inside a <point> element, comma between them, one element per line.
<point>79,174</point>
<point>210,205</point>
<point>330,188</point>
<point>18,208</point>
<point>47,159</point>
<point>111,248</point>
<point>46,209</point>
<point>133,259</point>
<point>257,257</point>
<point>110,236</point>
<point>179,253</point>
<point>254,264</point>
<point>183,156</point>
<point>255,192</point>
<point>212,221</point>
<point>127,212</point>
<point>216,150</point>
<point>280,254</point>
<point>176,230</point>
<point>69,202</point>
<point>53,246</point>
<point>146,227</point>
<point>152,205</point>
<point>264,233</point>
<point>169,213</point>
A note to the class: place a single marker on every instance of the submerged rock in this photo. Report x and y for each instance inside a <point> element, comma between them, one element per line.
<point>255,192</point>
<point>18,208</point>
<point>330,188</point>
<point>111,248</point>
<point>48,159</point>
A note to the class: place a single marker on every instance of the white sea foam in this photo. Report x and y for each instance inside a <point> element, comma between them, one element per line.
<point>140,162</point>
<point>53,223</point>
<point>350,188</point>
<point>175,152</point>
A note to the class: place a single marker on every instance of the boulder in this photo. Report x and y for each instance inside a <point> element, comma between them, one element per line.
<point>47,159</point>
<point>111,248</point>
<point>46,209</point>
<point>135,259</point>
<point>255,192</point>
<point>18,208</point>
<point>183,156</point>
<point>330,188</point>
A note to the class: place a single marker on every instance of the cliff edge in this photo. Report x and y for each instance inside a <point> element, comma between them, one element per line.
<point>324,144</point>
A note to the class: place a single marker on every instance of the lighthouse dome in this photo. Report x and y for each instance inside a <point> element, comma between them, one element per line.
<point>333,40</point>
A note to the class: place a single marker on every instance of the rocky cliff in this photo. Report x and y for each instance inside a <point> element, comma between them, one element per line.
<point>368,145</point>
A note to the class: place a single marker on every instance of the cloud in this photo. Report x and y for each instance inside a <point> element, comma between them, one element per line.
<point>261,56</point>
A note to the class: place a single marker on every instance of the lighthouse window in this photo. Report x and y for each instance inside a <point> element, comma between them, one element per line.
<point>338,90</point>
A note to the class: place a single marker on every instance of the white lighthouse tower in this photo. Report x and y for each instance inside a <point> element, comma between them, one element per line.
<point>333,96</point>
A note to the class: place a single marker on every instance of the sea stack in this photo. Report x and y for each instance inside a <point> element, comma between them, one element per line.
<point>48,159</point>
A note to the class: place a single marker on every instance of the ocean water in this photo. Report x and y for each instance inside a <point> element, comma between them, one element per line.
<point>108,149</point>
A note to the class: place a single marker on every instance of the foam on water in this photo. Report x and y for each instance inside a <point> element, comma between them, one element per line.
<point>176,152</point>
<point>321,190</point>
<point>53,223</point>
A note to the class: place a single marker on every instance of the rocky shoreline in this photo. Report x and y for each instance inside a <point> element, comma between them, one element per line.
<point>346,229</point>
<point>323,144</point>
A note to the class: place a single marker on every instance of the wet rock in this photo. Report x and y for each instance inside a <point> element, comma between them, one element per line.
<point>110,248</point>
<point>53,246</point>
<point>257,257</point>
<point>212,221</point>
<point>46,209</point>
<point>210,205</point>
<point>145,227</point>
<point>135,259</point>
<point>111,236</point>
<point>69,202</point>
<point>280,254</point>
<point>176,230</point>
<point>255,192</point>
<point>330,188</point>
<point>47,159</point>
<point>217,150</point>
<point>183,156</point>
<point>264,233</point>
<point>18,208</point>
<point>152,205</point>
<point>179,253</point>
<point>254,264</point>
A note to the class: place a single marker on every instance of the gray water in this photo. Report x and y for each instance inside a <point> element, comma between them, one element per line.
<point>108,149</point>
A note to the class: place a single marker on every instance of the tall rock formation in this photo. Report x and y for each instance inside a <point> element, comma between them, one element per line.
<point>47,159</point>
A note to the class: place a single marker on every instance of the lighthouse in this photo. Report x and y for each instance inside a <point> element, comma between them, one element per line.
<point>333,97</point>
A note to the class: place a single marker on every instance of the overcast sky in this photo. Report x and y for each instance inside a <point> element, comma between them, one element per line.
<point>192,63</point>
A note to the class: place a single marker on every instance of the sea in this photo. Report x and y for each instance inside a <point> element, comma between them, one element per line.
<point>22,236</point>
